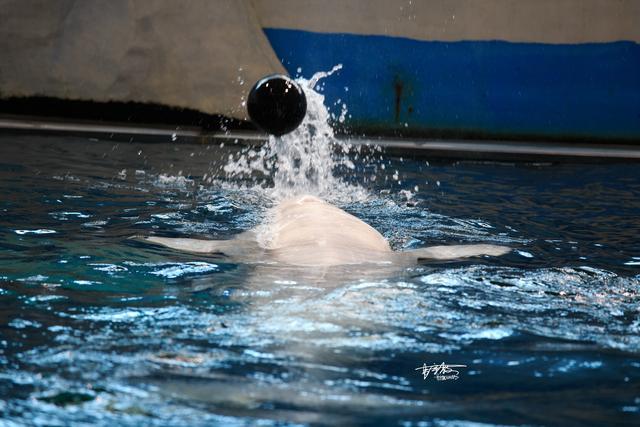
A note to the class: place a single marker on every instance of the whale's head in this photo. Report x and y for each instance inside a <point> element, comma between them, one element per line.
<point>306,230</point>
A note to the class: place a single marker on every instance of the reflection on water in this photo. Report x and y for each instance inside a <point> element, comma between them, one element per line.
<point>98,330</point>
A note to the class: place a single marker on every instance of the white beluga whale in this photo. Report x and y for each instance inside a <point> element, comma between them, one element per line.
<point>309,232</point>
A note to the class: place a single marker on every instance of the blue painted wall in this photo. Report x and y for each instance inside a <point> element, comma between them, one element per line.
<point>474,88</point>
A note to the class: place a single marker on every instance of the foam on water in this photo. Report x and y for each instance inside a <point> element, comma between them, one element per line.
<point>303,161</point>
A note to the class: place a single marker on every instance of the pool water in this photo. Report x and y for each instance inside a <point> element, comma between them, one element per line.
<point>99,329</point>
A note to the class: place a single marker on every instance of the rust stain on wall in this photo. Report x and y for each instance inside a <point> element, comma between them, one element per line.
<point>398,87</point>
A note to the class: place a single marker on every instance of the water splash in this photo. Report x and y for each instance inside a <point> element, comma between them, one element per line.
<point>303,161</point>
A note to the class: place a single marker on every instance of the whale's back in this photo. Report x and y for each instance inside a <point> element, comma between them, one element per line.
<point>308,231</point>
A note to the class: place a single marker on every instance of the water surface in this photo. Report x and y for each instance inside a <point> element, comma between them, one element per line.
<point>97,329</point>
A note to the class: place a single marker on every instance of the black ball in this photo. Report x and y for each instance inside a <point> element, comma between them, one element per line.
<point>277,104</point>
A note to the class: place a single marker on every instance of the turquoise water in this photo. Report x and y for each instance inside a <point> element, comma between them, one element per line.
<point>98,329</point>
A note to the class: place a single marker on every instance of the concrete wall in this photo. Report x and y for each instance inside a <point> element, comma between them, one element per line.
<point>542,21</point>
<point>188,53</point>
<point>197,53</point>
<point>506,69</point>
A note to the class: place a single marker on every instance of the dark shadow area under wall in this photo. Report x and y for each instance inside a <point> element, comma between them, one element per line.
<point>118,112</point>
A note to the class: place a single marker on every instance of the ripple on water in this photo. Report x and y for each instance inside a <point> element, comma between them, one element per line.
<point>38,231</point>
<point>582,304</point>
<point>175,270</point>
